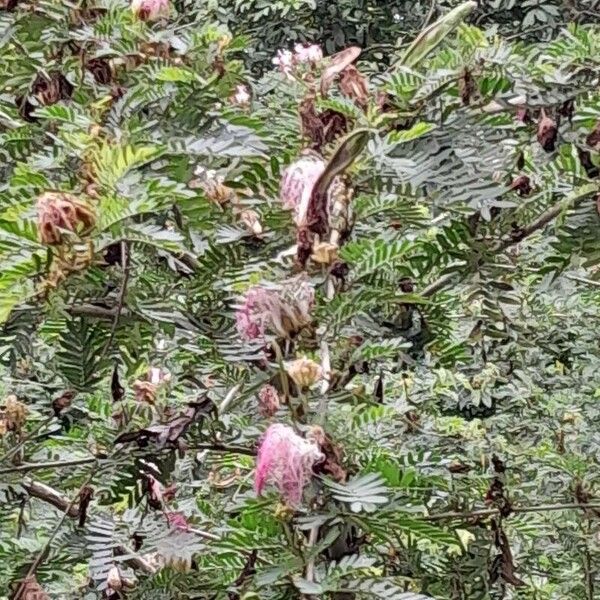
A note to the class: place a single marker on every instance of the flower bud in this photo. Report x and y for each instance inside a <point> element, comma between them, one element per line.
<point>304,372</point>
<point>241,96</point>
<point>297,183</point>
<point>353,85</point>
<point>268,401</point>
<point>150,10</point>
<point>311,54</point>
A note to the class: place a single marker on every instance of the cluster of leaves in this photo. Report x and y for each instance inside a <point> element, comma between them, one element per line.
<point>456,327</point>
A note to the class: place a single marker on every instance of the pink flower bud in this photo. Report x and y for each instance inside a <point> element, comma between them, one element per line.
<point>150,10</point>
<point>285,460</point>
<point>308,54</point>
<point>178,521</point>
<point>268,401</point>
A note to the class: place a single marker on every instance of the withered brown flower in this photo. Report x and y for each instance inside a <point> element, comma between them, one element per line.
<point>354,85</point>
<point>62,211</point>
<point>547,132</point>
<point>100,69</point>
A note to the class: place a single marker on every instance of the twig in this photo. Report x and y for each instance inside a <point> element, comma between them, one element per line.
<point>218,447</point>
<point>125,265</point>
<point>47,494</point>
<point>25,439</point>
<point>583,280</point>
<point>525,232</point>
<point>204,534</point>
<point>43,552</point>
<point>57,464</point>
<point>487,512</point>
<point>90,310</point>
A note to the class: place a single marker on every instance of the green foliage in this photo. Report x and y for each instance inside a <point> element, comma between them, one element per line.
<point>454,319</point>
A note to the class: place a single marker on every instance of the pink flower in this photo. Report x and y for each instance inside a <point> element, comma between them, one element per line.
<point>281,309</point>
<point>177,520</point>
<point>284,59</point>
<point>150,10</point>
<point>241,96</point>
<point>285,460</point>
<point>308,54</point>
<point>297,184</point>
<point>252,316</point>
<point>268,401</point>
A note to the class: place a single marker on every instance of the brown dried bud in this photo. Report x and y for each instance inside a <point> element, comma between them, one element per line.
<point>320,128</point>
<point>332,465</point>
<point>466,86</point>
<point>63,401</point>
<point>144,391</point>
<point>61,211</point>
<point>324,253</point>
<point>52,89</point>
<point>593,139</point>
<point>251,221</point>
<point>523,114</point>
<point>521,185</point>
<point>9,4</point>
<point>406,285</point>
<point>13,415</point>
<point>101,70</point>
<point>353,85</point>
<point>268,401</point>
<point>547,132</point>
<point>585,158</point>
<point>304,372</point>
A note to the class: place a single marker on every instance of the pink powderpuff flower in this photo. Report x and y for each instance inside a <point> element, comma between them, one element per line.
<point>252,315</point>
<point>284,60</point>
<point>241,96</point>
<point>311,53</point>
<point>297,184</point>
<point>268,401</point>
<point>282,309</point>
<point>285,460</point>
<point>150,10</point>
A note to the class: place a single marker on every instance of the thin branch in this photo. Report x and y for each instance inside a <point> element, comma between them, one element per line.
<point>126,266</point>
<point>44,551</point>
<point>90,310</point>
<point>487,512</point>
<point>544,219</point>
<point>25,439</point>
<point>44,492</point>
<point>218,447</point>
<point>57,464</point>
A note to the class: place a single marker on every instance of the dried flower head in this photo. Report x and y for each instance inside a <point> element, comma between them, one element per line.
<point>353,85</point>
<point>304,372</point>
<point>311,53</point>
<point>29,589</point>
<point>213,185</point>
<point>251,221</point>
<point>59,211</point>
<point>297,184</point>
<point>101,70</point>
<point>324,253</point>
<point>283,309</point>
<point>285,460</point>
<point>52,88</point>
<point>13,415</point>
<point>150,10</point>
<point>145,391</point>
<point>268,401</point>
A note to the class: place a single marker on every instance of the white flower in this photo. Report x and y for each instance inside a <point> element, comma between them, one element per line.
<point>284,60</point>
<point>308,54</point>
<point>241,96</point>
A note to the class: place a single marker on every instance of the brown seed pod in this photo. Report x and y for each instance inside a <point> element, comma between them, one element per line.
<point>547,132</point>
<point>593,139</point>
<point>101,70</point>
<point>466,86</point>
<point>521,185</point>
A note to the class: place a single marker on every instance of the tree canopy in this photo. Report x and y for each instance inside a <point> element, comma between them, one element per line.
<point>298,300</point>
